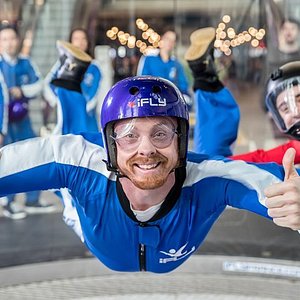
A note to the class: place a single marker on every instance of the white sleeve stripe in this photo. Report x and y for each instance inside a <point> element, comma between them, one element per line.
<point>24,155</point>
<point>5,95</point>
<point>238,170</point>
<point>140,65</point>
<point>71,150</point>
<point>32,90</point>
<point>58,129</point>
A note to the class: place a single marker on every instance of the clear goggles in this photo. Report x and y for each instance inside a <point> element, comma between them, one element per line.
<point>284,104</point>
<point>129,137</point>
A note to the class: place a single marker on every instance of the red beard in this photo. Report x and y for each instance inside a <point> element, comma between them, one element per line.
<point>152,181</point>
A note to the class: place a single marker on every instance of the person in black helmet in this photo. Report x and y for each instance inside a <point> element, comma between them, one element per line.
<point>144,202</point>
<point>283,98</point>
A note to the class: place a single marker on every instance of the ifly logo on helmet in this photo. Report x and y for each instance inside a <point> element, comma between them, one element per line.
<point>149,101</point>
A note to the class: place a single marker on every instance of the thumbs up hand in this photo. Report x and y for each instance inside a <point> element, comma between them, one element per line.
<point>283,199</point>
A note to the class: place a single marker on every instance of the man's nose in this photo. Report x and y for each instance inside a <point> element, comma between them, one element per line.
<point>146,148</point>
<point>296,113</point>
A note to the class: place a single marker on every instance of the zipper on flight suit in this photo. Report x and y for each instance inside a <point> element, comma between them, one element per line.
<point>142,257</point>
<point>142,253</point>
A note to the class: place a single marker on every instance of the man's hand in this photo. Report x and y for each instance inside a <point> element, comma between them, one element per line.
<point>283,199</point>
<point>16,92</point>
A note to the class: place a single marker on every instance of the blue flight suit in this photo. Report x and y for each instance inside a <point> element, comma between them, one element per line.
<point>217,117</point>
<point>171,70</point>
<point>111,231</point>
<point>90,87</point>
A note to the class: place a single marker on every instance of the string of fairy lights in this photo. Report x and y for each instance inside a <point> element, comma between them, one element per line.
<point>150,37</point>
<point>226,37</point>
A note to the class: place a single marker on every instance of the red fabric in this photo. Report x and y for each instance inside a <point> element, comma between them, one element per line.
<point>272,155</point>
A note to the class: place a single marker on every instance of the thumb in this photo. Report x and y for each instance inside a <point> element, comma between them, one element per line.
<point>288,164</point>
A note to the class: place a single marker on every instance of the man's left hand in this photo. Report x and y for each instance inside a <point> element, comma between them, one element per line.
<point>283,199</point>
<point>16,92</point>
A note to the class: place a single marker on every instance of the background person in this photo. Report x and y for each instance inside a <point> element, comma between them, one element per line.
<point>217,114</point>
<point>288,45</point>
<point>67,86</point>
<point>164,64</point>
<point>24,83</point>
<point>4,98</point>
<point>283,98</point>
<point>90,85</point>
<point>285,49</point>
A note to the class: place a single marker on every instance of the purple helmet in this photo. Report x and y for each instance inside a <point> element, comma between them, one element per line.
<point>17,110</point>
<point>139,97</point>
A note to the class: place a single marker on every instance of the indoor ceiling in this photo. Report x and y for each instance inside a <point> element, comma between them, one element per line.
<point>212,6</point>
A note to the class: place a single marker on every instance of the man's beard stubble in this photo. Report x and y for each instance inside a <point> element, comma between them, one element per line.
<point>150,182</point>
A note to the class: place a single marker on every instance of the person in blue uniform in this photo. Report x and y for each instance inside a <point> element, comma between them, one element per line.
<point>144,202</point>
<point>3,109</point>
<point>67,88</point>
<point>72,113</point>
<point>90,85</point>
<point>164,64</point>
<point>217,114</point>
<point>24,83</point>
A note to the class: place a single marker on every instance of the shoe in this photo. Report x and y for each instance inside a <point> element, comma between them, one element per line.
<point>202,44</point>
<point>201,60</point>
<point>204,66</point>
<point>11,211</point>
<point>38,208</point>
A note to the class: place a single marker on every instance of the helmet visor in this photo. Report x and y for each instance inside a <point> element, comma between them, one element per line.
<point>129,138</point>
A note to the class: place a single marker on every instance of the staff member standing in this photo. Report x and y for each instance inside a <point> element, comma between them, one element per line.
<point>164,64</point>
<point>24,83</point>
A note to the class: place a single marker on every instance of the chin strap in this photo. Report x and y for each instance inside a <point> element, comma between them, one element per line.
<point>119,175</point>
<point>111,169</point>
<point>294,131</point>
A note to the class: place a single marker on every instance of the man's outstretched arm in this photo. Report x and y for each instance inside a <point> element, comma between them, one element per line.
<point>27,166</point>
<point>71,161</point>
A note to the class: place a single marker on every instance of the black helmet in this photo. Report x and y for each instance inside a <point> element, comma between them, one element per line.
<point>283,97</point>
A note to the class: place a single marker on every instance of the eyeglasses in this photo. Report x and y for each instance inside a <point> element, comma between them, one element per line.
<point>160,139</point>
